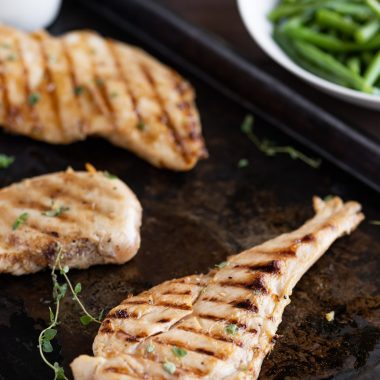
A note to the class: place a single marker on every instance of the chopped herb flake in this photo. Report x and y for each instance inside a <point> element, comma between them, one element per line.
<point>243,163</point>
<point>99,82</point>
<point>6,161</point>
<point>34,98</point>
<point>375,222</point>
<point>328,198</point>
<point>114,94</point>
<point>169,367</point>
<point>179,352</point>
<point>20,220</point>
<point>247,125</point>
<point>231,329</point>
<point>58,211</point>
<point>109,175</point>
<point>78,90</point>
<point>221,265</point>
<point>11,57</point>
<point>271,149</point>
<point>150,348</point>
<point>6,45</point>
<point>141,126</point>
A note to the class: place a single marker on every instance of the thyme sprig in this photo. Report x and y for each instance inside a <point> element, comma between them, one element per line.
<point>271,149</point>
<point>59,292</point>
<point>50,332</point>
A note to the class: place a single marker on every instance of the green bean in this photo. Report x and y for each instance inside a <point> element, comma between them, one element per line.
<point>374,5</point>
<point>354,65</point>
<point>366,32</point>
<point>330,43</point>
<point>328,63</point>
<point>287,10</point>
<point>334,20</point>
<point>288,47</point>
<point>373,71</point>
<point>319,39</point>
<point>359,11</point>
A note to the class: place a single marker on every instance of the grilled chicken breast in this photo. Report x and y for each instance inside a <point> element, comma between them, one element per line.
<point>91,218</point>
<point>215,326</point>
<point>61,90</point>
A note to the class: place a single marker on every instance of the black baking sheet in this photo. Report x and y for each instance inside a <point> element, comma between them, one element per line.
<point>194,220</point>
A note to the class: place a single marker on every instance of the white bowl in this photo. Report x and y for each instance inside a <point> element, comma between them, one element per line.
<point>254,14</point>
<point>29,15</point>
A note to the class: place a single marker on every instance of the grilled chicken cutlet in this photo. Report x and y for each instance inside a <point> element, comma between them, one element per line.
<point>216,326</point>
<point>87,217</point>
<point>61,90</point>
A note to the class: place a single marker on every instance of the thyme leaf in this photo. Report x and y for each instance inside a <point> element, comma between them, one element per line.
<point>6,161</point>
<point>179,352</point>
<point>20,220</point>
<point>270,148</point>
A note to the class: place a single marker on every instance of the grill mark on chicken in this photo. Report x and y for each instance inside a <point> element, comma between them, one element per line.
<point>74,84</point>
<point>256,284</point>
<point>272,267</point>
<point>165,116</point>
<point>50,87</point>
<point>99,87</point>
<point>28,92</point>
<point>188,346</point>
<point>120,73</point>
<point>212,335</point>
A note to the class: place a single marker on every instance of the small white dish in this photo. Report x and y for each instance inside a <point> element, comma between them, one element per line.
<point>29,15</point>
<point>254,14</point>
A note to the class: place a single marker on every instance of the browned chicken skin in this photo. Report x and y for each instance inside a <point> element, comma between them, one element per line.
<point>61,90</point>
<point>89,217</point>
<point>215,326</point>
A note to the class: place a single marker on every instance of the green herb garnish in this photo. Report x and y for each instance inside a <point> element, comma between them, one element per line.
<point>78,90</point>
<point>375,222</point>
<point>109,175</point>
<point>328,198</point>
<point>271,149</point>
<point>34,98</point>
<point>243,163</point>
<point>20,220</point>
<point>58,211</point>
<point>59,292</point>
<point>114,94</point>
<point>221,265</point>
<point>11,57</point>
<point>150,348</point>
<point>6,161</point>
<point>231,329</point>
<point>179,352</point>
<point>99,82</point>
<point>169,367</point>
<point>140,126</point>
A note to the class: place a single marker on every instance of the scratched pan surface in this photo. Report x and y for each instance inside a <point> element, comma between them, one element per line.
<point>194,220</point>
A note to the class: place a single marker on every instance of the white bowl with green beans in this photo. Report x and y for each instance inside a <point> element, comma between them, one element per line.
<point>332,44</point>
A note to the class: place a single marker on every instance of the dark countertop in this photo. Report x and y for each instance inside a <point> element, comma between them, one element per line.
<point>222,18</point>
